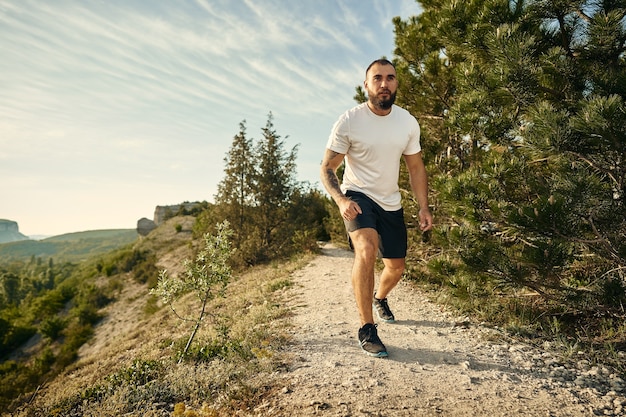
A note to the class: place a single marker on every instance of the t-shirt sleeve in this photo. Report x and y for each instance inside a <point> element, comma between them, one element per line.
<point>339,139</point>
<point>413,146</point>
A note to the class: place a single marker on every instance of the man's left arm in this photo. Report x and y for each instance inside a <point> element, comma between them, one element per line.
<point>418,179</point>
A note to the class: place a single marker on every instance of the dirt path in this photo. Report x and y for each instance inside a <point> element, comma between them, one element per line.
<point>438,364</point>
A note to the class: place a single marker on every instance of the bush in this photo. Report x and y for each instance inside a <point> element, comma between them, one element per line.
<point>139,373</point>
<point>52,327</point>
<point>15,337</point>
<point>207,276</point>
<point>51,302</point>
<point>76,335</point>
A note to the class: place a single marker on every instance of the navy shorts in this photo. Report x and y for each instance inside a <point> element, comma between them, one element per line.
<point>390,225</point>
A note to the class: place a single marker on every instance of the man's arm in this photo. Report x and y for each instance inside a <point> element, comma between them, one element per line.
<point>328,174</point>
<point>418,179</point>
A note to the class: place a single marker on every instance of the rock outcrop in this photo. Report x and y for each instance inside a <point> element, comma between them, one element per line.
<point>162,213</point>
<point>145,226</point>
<point>10,232</point>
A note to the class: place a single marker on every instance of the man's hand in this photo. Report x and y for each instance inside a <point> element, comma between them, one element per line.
<point>426,219</point>
<point>349,209</point>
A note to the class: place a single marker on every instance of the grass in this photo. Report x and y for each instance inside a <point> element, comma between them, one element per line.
<point>227,370</point>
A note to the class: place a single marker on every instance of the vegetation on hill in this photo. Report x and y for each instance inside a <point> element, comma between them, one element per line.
<point>71,247</point>
<point>49,305</point>
<point>230,349</point>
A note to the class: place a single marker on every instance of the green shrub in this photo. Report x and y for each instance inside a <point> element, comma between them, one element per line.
<point>139,373</point>
<point>76,334</point>
<point>207,276</point>
<point>52,327</point>
<point>111,269</point>
<point>44,362</point>
<point>87,314</point>
<point>279,284</point>
<point>222,347</point>
<point>51,302</point>
<point>146,272</point>
<point>15,336</point>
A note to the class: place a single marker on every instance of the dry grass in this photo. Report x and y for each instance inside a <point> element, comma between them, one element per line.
<point>129,368</point>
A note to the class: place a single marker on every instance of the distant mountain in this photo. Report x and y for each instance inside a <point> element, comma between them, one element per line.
<point>71,247</point>
<point>10,232</point>
<point>38,237</point>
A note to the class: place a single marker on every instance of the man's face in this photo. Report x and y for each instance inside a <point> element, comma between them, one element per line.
<point>381,86</point>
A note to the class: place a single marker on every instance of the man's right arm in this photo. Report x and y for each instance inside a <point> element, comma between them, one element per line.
<point>328,174</point>
<point>348,208</point>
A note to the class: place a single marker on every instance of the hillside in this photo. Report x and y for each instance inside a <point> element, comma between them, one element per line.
<point>71,247</point>
<point>289,350</point>
<point>128,365</point>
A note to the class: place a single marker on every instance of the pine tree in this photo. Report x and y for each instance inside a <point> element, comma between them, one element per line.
<point>275,183</point>
<point>273,214</point>
<point>524,131</point>
<point>235,193</point>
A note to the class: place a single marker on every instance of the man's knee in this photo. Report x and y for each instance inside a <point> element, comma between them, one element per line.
<point>395,266</point>
<point>365,242</point>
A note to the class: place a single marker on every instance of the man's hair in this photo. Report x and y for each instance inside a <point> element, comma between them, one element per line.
<point>381,61</point>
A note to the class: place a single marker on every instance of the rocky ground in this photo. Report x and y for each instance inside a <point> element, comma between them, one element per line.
<point>438,364</point>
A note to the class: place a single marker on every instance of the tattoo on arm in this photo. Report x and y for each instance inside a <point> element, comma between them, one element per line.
<point>330,180</point>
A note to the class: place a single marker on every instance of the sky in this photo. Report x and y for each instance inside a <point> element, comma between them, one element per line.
<point>109,108</point>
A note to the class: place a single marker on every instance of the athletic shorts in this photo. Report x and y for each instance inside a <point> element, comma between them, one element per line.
<point>392,234</point>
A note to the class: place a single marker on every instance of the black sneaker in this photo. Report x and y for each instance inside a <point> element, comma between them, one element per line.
<point>370,342</point>
<point>382,310</point>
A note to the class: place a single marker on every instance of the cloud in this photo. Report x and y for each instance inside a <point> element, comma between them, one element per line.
<point>129,93</point>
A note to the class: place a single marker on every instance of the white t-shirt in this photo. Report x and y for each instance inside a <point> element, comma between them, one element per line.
<point>373,146</point>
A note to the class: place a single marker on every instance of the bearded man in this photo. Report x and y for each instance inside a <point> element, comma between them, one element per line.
<point>372,138</point>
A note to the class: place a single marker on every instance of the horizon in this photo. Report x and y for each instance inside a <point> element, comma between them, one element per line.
<point>42,236</point>
<point>110,109</point>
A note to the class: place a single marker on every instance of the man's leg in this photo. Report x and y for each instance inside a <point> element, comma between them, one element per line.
<point>391,275</point>
<point>365,242</point>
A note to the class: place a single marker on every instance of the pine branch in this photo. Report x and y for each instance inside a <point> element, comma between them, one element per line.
<point>583,16</point>
<point>597,168</point>
<point>606,243</point>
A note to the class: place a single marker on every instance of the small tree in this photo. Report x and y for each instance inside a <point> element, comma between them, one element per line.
<point>275,183</point>
<point>272,214</point>
<point>207,277</point>
<point>235,193</point>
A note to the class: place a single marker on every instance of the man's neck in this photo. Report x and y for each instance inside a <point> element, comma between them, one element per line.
<point>378,111</point>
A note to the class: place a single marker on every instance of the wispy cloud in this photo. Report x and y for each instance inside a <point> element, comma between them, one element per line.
<point>128,91</point>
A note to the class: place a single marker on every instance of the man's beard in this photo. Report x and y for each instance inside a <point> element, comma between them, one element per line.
<point>381,103</point>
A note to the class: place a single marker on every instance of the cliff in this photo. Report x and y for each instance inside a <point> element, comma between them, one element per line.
<point>10,232</point>
<point>163,213</point>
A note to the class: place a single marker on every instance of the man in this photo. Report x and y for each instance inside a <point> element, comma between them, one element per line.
<point>372,138</point>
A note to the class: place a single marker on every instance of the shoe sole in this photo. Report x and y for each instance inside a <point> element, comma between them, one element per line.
<point>382,319</point>
<point>375,355</point>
